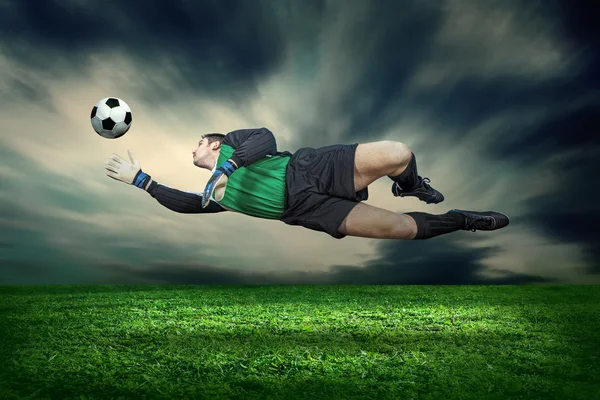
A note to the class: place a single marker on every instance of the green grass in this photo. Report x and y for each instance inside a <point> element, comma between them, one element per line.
<point>300,342</point>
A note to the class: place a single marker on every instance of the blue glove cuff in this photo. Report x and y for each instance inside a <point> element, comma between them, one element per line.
<point>228,168</point>
<point>141,179</point>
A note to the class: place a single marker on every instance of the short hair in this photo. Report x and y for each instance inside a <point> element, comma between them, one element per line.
<point>214,137</point>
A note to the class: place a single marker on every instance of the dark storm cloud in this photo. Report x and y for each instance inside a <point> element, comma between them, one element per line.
<point>570,211</point>
<point>395,40</point>
<point>20,269</point>
<point>387,44</point>
<point>224,47</point>
<point>471,99</point>
<point>215,46</point>
<point>436,261</point>
<point>382,44</point>
<point>400,263</point>
<point>175,273</point>
<point>26,255</point>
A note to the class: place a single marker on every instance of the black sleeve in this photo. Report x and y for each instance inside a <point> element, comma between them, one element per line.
<point>181,202</point>
<point>251,145</point>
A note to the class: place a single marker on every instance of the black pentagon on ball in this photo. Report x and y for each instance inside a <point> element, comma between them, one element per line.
<point>108,124</point>
<point>112,103</point>
<point>127,117</point>
<point>94,111</point>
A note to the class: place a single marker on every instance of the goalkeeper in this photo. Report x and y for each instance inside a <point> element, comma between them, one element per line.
<point>321,189</point>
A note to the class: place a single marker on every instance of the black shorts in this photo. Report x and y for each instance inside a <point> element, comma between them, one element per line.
<point>320,188</point>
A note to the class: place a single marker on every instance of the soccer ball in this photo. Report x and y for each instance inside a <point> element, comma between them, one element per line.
<point>111,118</point>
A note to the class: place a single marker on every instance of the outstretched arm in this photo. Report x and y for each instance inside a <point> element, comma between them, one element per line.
<point>250,145</point>
<point>131,173</point>
<point>180,201</point>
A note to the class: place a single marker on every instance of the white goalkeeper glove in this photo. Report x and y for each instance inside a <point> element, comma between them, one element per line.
<point>129,172</point>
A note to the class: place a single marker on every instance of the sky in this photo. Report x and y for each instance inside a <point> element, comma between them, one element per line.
<point>497,99</point>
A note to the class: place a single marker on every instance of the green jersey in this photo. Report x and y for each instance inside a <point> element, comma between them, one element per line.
<point>257,189</point>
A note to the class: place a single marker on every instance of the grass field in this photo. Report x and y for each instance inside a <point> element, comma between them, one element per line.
<point>300,342</point>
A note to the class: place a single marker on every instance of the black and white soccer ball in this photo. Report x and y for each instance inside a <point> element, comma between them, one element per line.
<point>111,118</point>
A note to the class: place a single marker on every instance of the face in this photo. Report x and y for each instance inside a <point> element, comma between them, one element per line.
<point>204,154</point>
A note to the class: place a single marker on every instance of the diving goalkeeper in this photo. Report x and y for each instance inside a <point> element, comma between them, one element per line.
<point>321,189</point>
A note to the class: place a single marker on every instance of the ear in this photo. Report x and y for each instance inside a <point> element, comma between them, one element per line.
<point>216,145</point>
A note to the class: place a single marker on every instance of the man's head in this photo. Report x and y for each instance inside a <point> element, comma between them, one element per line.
<point>207,152</point>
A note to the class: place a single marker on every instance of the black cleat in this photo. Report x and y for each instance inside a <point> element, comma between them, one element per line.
<point>423,192</point>
<point>482,221</point>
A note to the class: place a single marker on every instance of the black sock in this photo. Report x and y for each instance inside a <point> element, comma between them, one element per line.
<point>409,178</point>
<point>429,225</point>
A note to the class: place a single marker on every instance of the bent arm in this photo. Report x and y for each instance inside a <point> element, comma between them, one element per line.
<point>250,145</point>
<point>180,201</point>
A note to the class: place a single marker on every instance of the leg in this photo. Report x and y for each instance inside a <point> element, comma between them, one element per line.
<point>395,160</point>
<point>373,222</point>
<point>323,198</point>
<point>378,159</point>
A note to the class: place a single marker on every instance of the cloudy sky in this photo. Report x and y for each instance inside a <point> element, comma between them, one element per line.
<point>498,100</point>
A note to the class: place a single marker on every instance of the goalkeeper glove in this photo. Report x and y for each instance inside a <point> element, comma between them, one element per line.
<point>219,178</point>
<point>124,171</point>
